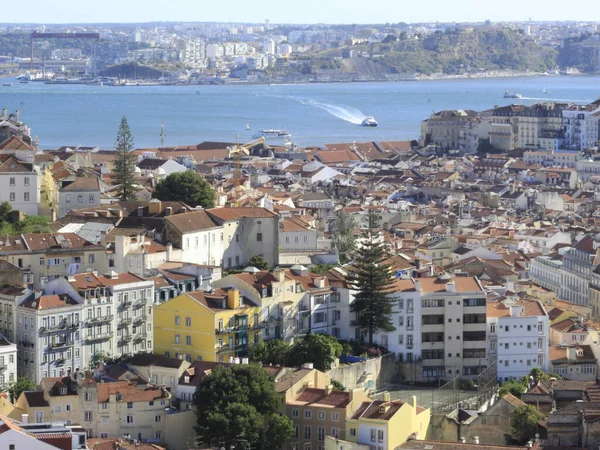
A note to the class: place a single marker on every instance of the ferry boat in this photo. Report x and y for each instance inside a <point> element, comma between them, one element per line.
<point>272,134</point>
<point>509,94</point>
<point>369,122</point>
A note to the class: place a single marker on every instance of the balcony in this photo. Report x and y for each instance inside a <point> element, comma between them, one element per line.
<point>99,319</point>
<point>98,336</point>
<point>59,345</point>
<point>125,339</point>
<point>139,321</point>
<point>125,304</point>
<point>139,338</point>
<point>2,369</point>
<point>140,303</point>
<point>61,326</point>
<point>224,348</point>
<point>125,321</point>
<point>231,330</point>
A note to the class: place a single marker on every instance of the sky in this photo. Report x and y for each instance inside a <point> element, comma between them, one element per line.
<point>295,11</point>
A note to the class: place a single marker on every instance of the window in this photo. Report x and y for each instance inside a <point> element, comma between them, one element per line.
<point>80,199</point>
<point>57,408</point>
<point>295,413</point>
<point>129,418</point>
<point>12,197</point>
<point>379,435</point>
<point>12,181</point>
<point>26,181</point>
<point>307,432</point>
<point>178,339</point>
<point>321,433</point>
<point>26,196</point>
<point>91,198</point>
<point>493,328</point>
<point>129,405</point>
<point>335,416</point>
<point>188,321</point>
<point>373,435</point>
<point>68,198</point>
<point>321,415</point>
<point>177,320</point>
<point>91,259</point>
<point>157,418</point>
<point>352,431</point>
<point>88,416</point>
<point>188,340</point>
<point>259,237</point>
<point>307,414</point>
<point>104,405</point>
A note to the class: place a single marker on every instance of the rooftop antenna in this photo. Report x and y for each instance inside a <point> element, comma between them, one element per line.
<point>162,135</point>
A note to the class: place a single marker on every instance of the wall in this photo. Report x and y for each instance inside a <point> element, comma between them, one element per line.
<point>381,372</point>
<point>180,433</point>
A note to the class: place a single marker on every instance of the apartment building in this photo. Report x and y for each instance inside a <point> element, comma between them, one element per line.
<point>217,326</point>
<point>116,312</point>
<point>444,128</point>
<point>541,126</point>
<point>247,232</point>
<point>103,409</point>
<point>578,265</point>
<point>8,362</point>
<point>20,184</point>
<point>48,337</point>
<point>453,326</point>
<point>518,337</point>
<point>384,424</point>
<point>46,256</point>
<point>574,362</point>
<point>81,193</point>
<point>319,412</point>
<point>10,298</point>
<point>198,236</point>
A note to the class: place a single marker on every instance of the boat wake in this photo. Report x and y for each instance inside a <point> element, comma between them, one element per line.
<point>347,113</point>
<point>547,99</point>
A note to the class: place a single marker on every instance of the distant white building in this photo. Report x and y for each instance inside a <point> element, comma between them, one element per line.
<point>8,362</point>
<point>20,185</point>
<point>518,337</point>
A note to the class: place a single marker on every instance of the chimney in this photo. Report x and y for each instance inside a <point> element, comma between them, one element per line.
<point>24,417</point>
<point>4,114</point>
<point>328,389</point>
<point>386,397</point>
<point>169,251</point>
<point>515,311</point>
<point>450,286</point>
<point>476,440</point>
<point>169,210</point>
<point>279,274</point>
<point>319,282</point>
<point>233,298</point>
<point>571,353</point>
<point>414,402</point>
<point>154,206</point>
<point>17,115</point>
<point>417,285</point>
<point>463,440</point>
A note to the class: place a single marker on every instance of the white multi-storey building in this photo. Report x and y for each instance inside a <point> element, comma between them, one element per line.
<point>517,337</point>
<point>8,362</point>
<point>20,185</point>
<point>116,312</point>
<point>48,337</point>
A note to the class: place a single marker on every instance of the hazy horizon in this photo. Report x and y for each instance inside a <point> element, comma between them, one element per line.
<point>307,12</point>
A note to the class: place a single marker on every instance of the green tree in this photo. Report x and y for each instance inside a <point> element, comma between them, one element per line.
<point>187,187</point>
<point>259,262</point>
<point>97,358</point>
<point>513,387</point>
<point>124,162</point>
<point>343,238</point>
<point>15,388</point>
<point>273,351</point>
<point>337,385</point>
<point>5,210</point>
<point>372,279</point>
<point>240,402</point>
<point>524,421</point>
<point>320,349</point>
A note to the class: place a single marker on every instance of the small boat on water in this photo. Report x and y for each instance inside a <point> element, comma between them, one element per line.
<point>369,121</point>
<point>24,82</point>
<point>546,91</point>
<point>509,94</point>
<point>248,127</point>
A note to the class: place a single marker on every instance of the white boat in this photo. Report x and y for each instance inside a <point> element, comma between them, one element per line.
<point>272,134</point>
<point>545,91</point>
<point>369,121</point>
<point>248,127</point>
<point>509,94</point>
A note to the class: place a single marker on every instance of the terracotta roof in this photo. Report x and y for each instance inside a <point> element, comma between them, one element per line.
<point>35,399</point>
<point>14,143</point>
<point>559,354</point>
<point>83,184</point>
<point>463,284</point>
<point>129,392</point>
<point>90,280</point>
<point>12,165</point>
<point>373,410</point>
<point>192,221</point>
<point>527,309</point>
<point>226,214</point>
<point>46,302</point>
<point>320,397</point>
<point>516,402</point>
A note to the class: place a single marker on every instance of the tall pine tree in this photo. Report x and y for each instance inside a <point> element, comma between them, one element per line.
<point>125,162</point>
<point>373,280</point>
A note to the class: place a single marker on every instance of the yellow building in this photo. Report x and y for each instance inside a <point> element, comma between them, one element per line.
<point>210,327</point>
<point>384,425</point>
<point>48,205</point>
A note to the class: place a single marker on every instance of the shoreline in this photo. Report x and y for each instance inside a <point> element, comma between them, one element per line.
<point>234,82</point>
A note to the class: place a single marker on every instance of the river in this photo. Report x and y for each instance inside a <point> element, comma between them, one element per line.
<point>315,114</point>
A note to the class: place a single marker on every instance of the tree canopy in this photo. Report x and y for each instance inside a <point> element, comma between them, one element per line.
<point>372,279</point>
<point>343,238</point>
<point>259,262</point>
<point>187,187</point>
<point>524,421</point>
<point>320,349</point>
<point>239,402</point>
<point>29,224</point>
<point>15,388</point>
